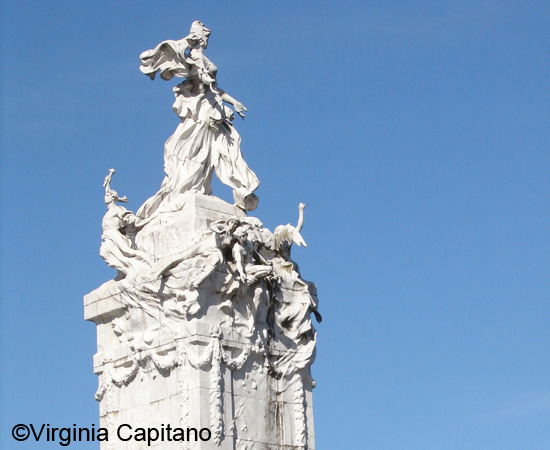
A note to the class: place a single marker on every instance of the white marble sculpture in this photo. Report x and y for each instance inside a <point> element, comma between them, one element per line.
<point>208,322</point>
<point>117,248</point>
<point>205,139</point>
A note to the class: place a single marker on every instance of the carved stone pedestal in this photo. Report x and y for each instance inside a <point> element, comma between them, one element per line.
<point>215,335</point>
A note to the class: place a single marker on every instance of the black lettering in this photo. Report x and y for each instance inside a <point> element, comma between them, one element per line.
<point>64,436</point>
<point>140,435</point>
<point>168,433</point>
<point>179,435</point>
<point>209,434</point>
<point>80,430</point>
<point>103,435</point>
<point>189,434</point>
<point>150,438</point>
<point>37,438</point>
<point>118,432</point>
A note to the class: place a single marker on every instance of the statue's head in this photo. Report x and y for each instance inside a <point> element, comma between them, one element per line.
<point>111,196</point>
<point>199,33</point>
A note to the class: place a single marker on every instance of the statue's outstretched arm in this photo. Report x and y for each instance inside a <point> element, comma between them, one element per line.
<point>239,107</point>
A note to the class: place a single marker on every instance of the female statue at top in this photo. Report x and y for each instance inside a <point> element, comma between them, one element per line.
<point>205,140</point>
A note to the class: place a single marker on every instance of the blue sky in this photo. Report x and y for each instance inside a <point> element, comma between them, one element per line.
<point>417,133</point>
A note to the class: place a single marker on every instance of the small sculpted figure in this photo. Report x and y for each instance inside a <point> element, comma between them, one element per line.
<point>206,139</point>
<point>286,235</point>
<point>116,245</point>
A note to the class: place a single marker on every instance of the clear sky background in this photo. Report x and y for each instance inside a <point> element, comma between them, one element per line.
<point>418,135</point>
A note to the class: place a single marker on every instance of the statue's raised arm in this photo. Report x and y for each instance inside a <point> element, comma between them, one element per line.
<point>206,139</point>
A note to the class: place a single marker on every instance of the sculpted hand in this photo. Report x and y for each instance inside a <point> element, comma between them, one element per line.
<point>239,107</point>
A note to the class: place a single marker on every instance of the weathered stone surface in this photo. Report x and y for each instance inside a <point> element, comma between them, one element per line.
<point>171,232</point>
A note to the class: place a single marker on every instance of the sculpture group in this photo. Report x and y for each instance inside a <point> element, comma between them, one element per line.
<point>203,290</point>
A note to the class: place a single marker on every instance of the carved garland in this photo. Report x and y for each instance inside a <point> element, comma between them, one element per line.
<point>183,390</point>
<point>299,414</point>
<point>213,356</point>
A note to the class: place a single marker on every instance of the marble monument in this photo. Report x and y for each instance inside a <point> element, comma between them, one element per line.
<point>207,327</point>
